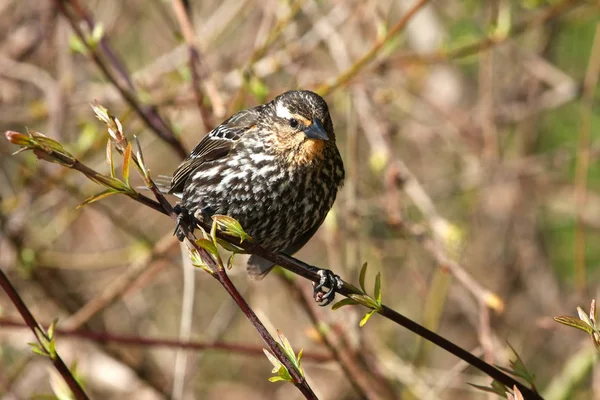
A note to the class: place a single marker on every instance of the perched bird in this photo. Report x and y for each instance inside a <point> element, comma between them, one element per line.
<point>275,168</point>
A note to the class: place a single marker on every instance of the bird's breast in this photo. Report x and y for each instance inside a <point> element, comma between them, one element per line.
<point>274,202</point>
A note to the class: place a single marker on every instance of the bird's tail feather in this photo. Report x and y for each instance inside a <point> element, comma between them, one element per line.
<point>258,267</point>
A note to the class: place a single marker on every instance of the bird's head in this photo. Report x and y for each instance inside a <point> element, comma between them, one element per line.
<point>300,126</point>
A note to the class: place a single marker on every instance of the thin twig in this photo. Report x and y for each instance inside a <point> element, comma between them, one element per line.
<point>260,51</point>
<point>412,58</point>
<point>583,160</point>
<point>355,373</point>
<point>195,64</point>
<point>291,264</point>
<point>549,13</point>
<point>131,340</point>
<point>147,113</point>
<point>29,319</point>
<point>345,76</point>
<point>220,274</point>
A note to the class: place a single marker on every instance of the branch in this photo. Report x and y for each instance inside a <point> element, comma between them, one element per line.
<point>42,337</point>
<point>487,43</point>
<point>52,151</point>
<point>356,373</point>
<point>345,76</point>
<point>187,30</point>
<point>583,161</point>
<point>105,337</point>
<point>439,56</point>
<point>149,114</point>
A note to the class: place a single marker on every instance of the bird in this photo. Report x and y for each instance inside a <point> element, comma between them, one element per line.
<point>275,168</point>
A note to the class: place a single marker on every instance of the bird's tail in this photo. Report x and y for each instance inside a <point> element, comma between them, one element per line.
<point>258,267</point>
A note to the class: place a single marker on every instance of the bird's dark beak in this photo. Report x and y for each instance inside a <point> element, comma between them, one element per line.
<point>316,131</point>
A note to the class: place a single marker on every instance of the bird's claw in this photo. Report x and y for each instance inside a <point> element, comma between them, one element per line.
<point>324,291</point>
<point>183,218</point>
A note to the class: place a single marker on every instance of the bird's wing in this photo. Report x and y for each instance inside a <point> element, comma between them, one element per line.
<point>218,143</point>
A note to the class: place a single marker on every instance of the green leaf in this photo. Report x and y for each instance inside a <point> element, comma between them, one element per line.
<point>231,226</point>
<point>366,318</point>
<point>273,360</point>
<point>493,388</point>
<point>52,328</point>
<point>96,197</point>
<point>52,144</point>
<point>76,45</point>
<point>361,278</point>
<point>209,246</point>
<point>126,163</point>
<point>575,323</point>
<point>365,300</point>
<point>289,351</point>
<point>276,379</point>
<point>197,260</point>
<point>96,35</point>
<point>519,368</point>
<point>286,346</point>
<point>230,247</point>
<point>37,349</point>
<point>344,302</point>
<point>377,290</point>
<point>278,368</point>
<point>111,182</point>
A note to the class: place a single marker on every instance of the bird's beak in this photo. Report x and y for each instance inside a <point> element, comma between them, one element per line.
<point>316,131</point>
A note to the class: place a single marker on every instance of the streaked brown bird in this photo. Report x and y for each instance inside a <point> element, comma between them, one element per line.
<point>275,168</point>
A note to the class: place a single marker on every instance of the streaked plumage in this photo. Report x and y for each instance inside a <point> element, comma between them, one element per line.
<point>275,168</point>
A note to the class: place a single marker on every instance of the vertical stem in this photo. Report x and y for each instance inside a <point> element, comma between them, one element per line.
<point>29,319</point>
<point>583,161</point>
<point>299,380</point>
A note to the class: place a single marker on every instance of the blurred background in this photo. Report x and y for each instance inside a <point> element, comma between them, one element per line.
<point>470,132</point>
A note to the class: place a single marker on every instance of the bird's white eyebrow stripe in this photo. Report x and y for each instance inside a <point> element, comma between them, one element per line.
<point>282,111</point>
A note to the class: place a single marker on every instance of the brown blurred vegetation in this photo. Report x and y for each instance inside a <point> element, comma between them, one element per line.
<point>473,187</point>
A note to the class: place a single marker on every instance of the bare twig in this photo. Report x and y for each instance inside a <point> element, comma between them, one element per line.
<point>356,373</point>
<point>583,160</point>
<point>220,274</point>
<point>260,51</point>
<point>130,340</point>
<point>147,113</point>
<point>550,13</point>
<point>42,338</point>
<point>296,266</point>
<point>345,76</point>
<point>195,63</point>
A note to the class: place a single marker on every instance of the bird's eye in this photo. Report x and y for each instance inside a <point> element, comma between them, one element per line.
<point>294,122</point>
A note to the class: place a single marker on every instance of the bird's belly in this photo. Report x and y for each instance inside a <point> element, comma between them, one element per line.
<point>274,205</point>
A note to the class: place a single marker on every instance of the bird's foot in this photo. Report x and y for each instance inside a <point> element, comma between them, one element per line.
<point>184,218</point>
<point>324,291</point>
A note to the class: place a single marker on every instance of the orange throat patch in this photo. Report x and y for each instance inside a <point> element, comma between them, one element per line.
<point>309,150</point>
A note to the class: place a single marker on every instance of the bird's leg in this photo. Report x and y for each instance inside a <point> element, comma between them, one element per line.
<point>183,218</point>
<point>324,291</point>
